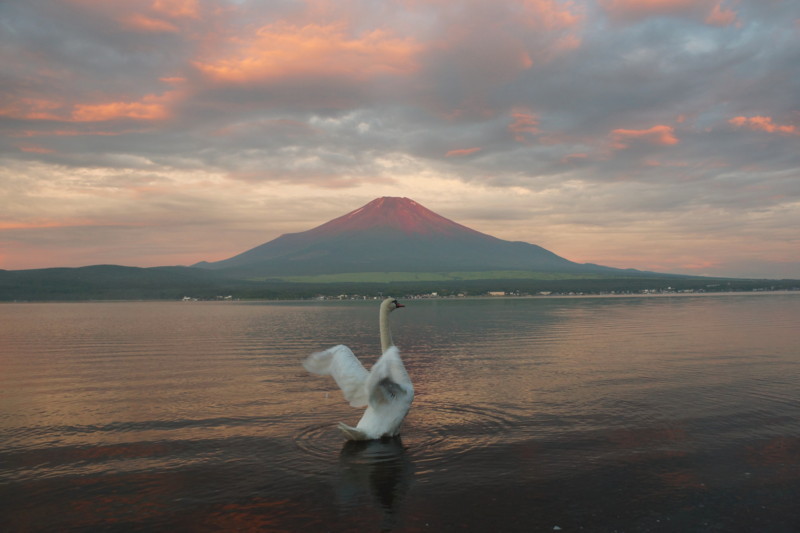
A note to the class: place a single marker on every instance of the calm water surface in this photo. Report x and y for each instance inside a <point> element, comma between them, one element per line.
<point>593,414</point>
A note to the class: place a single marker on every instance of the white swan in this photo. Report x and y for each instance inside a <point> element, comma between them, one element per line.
<point>386,389</point>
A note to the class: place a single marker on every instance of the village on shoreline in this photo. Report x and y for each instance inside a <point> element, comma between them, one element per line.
<point>434,295</point>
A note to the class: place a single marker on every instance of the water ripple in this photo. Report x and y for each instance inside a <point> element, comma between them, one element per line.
<point>436,434</point>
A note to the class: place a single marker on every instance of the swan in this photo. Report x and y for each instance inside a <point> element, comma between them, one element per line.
<point>385,389</point>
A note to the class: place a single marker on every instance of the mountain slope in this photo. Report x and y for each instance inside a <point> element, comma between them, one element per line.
<point>111,282</point>
<point>393,235</point>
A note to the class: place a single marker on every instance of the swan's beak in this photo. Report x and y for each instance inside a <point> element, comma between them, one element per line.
<point>399,305</point>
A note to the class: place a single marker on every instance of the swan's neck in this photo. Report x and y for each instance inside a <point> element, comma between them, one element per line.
<point>386,332</point>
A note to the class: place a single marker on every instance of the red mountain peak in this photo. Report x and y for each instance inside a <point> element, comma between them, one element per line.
<point>396,213</point>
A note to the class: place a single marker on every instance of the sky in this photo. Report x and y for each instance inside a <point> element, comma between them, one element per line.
<point>652,134</point>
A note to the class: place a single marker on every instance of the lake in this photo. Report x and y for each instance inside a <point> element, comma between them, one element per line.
<point>674,413</point>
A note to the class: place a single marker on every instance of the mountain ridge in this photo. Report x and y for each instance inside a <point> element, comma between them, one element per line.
<point>116,282</point>
<point>392,234</point>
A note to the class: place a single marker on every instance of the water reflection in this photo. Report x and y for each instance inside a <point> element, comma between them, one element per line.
<point>660,414</point>
<point>380,471</point>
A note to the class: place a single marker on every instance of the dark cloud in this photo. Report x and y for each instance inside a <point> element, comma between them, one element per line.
<point>581,115</point>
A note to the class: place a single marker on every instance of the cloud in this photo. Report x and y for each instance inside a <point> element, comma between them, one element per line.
<point>144,23</point>
<point>150,108</point>
<point>142,15</point>
<point>524,125</point>
<point>31,109</point>
<point>712,12</point>
<point>721,16</point>
<point>462,151</point>
<point>760,123</point>
<point>660,135</point>
<point>176,8</point>
<point>280,51</point>
<point>32,148</point>
<point>476,49</point>
<point>221,125</point>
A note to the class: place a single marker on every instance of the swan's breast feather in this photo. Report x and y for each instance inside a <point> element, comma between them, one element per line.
<point>387,391</point>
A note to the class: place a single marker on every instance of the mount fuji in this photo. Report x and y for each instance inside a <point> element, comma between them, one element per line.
<point>393,234</point>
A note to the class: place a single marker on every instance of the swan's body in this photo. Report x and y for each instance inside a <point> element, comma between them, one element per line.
<point>385,390</point>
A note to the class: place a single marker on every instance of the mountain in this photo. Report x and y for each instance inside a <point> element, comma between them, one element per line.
<point>424,251</point>
<point>394,235</point>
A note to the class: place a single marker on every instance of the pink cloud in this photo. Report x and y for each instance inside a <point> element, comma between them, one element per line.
<point>711,12</point>
<point>760,123</point>
<point>150,107</point>
<point>31,109</point>
<point>176,8</point>
<point>142,15</point>
<point>114,110</point>
<point>140,22</point>
<point>172,80</point>
<point>65,133</point>
<point>549,14</point>
<point>543,14</point>
<point>478,45</point>
<point>658,135</point>
<point>284,50</point>
<point>35,149</point>
<point>721,16</point>
<point>524,123</point>
<point>574,158</point>
<point>462,152</point>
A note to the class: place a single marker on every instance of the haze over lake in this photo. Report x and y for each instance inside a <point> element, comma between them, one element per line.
<point>677,413</point>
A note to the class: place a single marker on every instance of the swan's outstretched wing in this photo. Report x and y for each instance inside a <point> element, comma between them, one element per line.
<point>388,380</point>
<point>340,363</point>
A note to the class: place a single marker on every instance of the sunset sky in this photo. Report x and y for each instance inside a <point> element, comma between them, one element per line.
<point>652,134</point>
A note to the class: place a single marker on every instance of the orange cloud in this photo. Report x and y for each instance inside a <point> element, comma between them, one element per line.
<point>112,110</point>
<point>760,123</point>
<point>549,14</point>
<point>35,149</point>
<point>285,50</point>
<point>658,135</point>
<point>524,123</point>
<point>721,16</point>
<point>65,133</point>
<point>710,11</point>
<point>151,107</point>
<point>543,14</point>
<point>161,10</point>
<point>176,8</point>
<point>463,151</point>
<point>503,39</point>
<point>31,109</point>
<point>156,16</point>
<point>173,80</point>
<point>140,22</point>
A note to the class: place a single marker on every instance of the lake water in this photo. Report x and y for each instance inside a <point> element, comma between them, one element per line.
<point>543,414</point>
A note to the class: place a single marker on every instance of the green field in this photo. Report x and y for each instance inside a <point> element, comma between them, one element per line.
<point>113,282</point>
<point>392,277</point>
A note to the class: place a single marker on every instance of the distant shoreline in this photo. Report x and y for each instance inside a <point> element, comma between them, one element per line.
<point>419,298</point>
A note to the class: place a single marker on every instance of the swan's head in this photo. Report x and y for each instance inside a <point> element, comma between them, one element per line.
<point>391,304</point>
